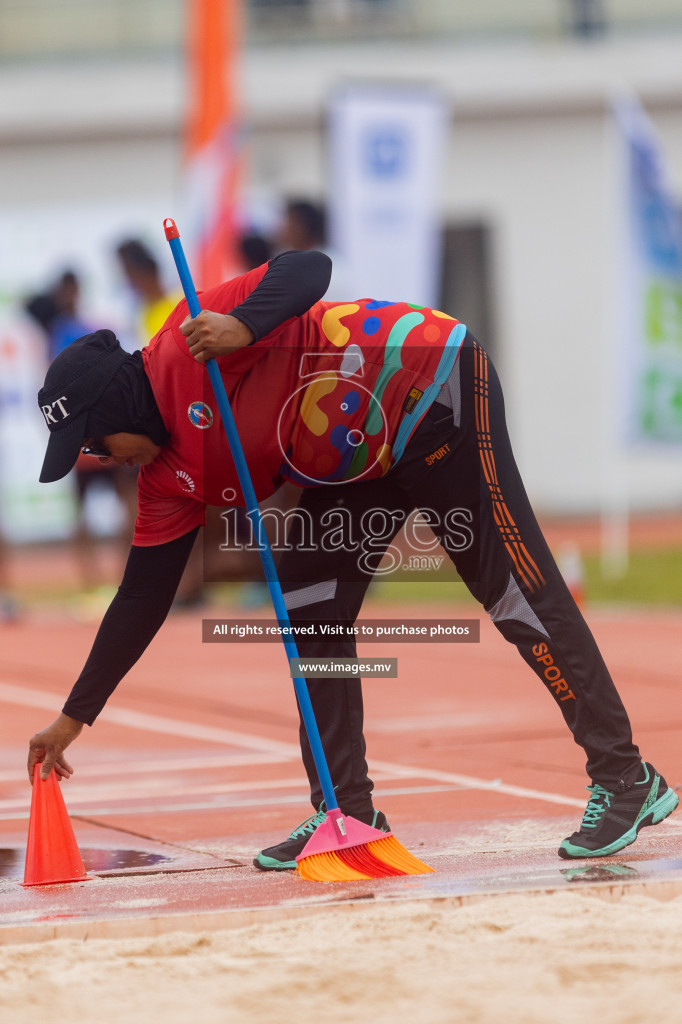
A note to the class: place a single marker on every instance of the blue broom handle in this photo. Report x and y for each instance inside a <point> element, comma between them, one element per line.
<point>253,512</point>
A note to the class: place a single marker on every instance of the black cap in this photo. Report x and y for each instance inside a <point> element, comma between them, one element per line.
<point>73,385</point>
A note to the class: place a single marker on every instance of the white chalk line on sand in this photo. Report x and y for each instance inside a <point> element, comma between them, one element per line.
<point>173,727</point>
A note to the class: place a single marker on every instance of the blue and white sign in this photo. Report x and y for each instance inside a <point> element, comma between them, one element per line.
<point>385,154</point>
<point>650,286</point>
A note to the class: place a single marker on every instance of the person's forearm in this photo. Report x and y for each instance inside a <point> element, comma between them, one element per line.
<point>134,617</point>
<point>126,631</point>
<point>293,282</point>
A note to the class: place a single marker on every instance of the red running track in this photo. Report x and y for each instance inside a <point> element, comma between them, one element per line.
<point>196,756</point>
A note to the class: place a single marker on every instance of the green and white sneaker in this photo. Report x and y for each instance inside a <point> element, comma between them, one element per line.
<point>612,820</point>
<point>283,856</point>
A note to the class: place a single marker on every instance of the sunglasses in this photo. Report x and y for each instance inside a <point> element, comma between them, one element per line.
<point>98,452</point>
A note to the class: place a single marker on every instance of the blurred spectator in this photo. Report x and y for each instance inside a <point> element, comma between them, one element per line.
<point>56,312</point>
<point>8,606</point>
<point>91,474</point>
<point>305,227</point>
<point>253,250</point>
<point>68,324</point>
<point>44,310</point>
<point>587,18</point>
<point>142,273</point>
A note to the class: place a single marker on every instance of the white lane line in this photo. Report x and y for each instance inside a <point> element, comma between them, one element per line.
<point>188,730</point>
<point>150,723</point>
<point>386,773</point>
<point>227,803</point>
<point>75,797</point>
<point>471,782</point>
<point>161,787</point>
<point>177,764</point>
<point>172,727</point>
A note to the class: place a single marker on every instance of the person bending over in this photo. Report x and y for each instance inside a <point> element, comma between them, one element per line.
<point>351,402</point>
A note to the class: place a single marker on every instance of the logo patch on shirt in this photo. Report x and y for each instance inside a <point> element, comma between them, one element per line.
<point>413,396</point>
<point>200,415</point>
<point>185,481</point>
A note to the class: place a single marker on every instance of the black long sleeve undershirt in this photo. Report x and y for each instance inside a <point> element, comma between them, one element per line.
<point>293,282</point>
<point>131,622</point>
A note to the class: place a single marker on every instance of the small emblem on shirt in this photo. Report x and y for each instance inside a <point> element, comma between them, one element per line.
<point>200,415</point>
<point>413,396</point>
<point>185,481</point>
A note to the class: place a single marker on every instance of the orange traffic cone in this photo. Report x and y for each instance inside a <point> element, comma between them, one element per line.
<point>52,854</point>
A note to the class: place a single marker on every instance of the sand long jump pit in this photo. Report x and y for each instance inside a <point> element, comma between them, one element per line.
<point>480,781</point>
<point>502,931</point>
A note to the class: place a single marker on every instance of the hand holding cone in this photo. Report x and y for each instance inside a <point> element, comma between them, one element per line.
<point>52,854</point>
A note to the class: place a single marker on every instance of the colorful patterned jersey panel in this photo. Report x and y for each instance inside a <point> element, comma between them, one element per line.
<point>368,374</point>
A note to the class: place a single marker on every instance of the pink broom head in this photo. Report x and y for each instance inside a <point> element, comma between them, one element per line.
<point>344,849</point>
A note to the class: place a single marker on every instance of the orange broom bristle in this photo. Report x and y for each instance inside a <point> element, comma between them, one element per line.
<point>392,852</point>
<point>377,859</point>
<point>362,859</point>
<point>327,867</point>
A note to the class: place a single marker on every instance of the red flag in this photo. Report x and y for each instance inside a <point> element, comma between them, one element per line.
<point>212,158</point>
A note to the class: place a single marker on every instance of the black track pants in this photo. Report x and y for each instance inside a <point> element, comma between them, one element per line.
<point>508,568</point>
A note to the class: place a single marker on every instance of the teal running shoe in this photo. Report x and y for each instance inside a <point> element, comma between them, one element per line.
<point>612,820</point>
<point>283,856</point>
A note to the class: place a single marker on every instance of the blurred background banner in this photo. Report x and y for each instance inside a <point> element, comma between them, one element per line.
<point>485,186</point>
<point>212,144</point>
<point>651,285</point>
<point>28,510</point>
<point>385,151</point>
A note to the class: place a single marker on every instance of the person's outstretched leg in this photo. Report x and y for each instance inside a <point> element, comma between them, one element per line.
<point>511,571</point>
